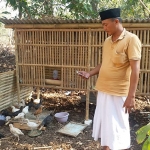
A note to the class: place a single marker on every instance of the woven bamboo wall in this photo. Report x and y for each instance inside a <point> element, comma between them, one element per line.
<point>40,51</point>
<point>8,90</point>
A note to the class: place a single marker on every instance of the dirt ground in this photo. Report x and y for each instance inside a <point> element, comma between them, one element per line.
<point>50,139</point>
<point>53,140</point>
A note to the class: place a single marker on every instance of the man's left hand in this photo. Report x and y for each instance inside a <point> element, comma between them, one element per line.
<point>129,104</point>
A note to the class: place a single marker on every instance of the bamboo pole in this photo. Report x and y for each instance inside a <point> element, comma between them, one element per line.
<point>38,93</point>
<point>61,45</point>
<point>17,66</point>
<point>82,89</point>
<point>88,81</point>
<point>65,66</point>
<point>63,26</point>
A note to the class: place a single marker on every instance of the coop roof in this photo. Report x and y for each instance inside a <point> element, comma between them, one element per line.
<point>32,23</point>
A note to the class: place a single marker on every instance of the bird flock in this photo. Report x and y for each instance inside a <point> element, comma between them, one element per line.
<point>19,112</point>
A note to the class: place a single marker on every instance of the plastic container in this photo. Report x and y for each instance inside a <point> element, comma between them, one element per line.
<point>2,120</point>
<point>61,116</point>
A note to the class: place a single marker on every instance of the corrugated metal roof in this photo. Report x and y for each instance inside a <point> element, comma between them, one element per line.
<point>62,21</point>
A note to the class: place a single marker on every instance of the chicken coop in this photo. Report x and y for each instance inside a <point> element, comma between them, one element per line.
<point>50,51</point>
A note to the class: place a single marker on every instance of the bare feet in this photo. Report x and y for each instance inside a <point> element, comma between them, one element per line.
<point>106,148</point>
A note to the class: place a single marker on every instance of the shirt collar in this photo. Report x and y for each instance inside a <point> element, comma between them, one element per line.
<point>122,35</point>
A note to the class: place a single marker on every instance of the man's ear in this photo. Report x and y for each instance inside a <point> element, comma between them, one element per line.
<point>116,21</point>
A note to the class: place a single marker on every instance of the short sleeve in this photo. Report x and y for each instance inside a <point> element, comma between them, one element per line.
<point>134,48</point>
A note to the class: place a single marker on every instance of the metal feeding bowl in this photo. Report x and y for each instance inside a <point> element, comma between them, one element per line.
<point>2,120</point>
<point>61,116</point>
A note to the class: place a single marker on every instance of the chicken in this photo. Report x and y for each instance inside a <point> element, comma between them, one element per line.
<point>16,112</point>
<point>67,93</point>
<point>31,104</point>
<point>15,131</point>
<point>37,105</point>
<point>5,112</point>
<point>47,120</point>
<point>14,109</point>
<point>38,112</point>
<point>1,136</point>
<point>31,124</point>
<point>13,114</point>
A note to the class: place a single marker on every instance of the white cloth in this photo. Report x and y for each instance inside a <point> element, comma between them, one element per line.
<point>111,123</point>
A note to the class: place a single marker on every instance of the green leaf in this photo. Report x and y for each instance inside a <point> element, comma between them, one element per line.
<point>64,1</point>
<point>140,138</point>
<point>6,12</point>
<point>142,132</point>
<point>148,133</point>
<point>148,139</point>
<point>146,145</point>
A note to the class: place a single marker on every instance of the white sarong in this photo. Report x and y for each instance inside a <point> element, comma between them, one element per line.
<point>111,123</point>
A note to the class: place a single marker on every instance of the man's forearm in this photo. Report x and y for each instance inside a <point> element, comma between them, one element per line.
<point>134,78</point>
<point>95,70</point>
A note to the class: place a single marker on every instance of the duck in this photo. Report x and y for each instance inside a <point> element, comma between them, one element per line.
<point>13,114</point>
<point>31,124</point>
<point>22,103</point>
<point>37,101</point>
<point>25,110</point>
<point>8,118</point>
<point>19,104</point>
<point>15,131</point>
<point>20,116</point>
<point>14,109</point>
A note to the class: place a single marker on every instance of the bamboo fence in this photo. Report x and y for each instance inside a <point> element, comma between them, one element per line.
<point>43,46</point>
<point>8,90</point>
<point>40,52</point>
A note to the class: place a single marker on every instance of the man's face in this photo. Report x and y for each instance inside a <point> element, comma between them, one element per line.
<point>109,26</point>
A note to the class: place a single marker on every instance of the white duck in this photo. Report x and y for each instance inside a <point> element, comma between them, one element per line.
<point>20,116</point>
<point>19,104</point>
<point>31,124</point>
<point>14,109</point>
<point>15,131</point>
<point>22,103</point>
<point>36,101</point>
<point>8,118</point>
<point>25,110</point>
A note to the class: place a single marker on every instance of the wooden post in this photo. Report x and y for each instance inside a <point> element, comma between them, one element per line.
<point>88,81</point>
<point>17,68</point>
<point>38,93</point>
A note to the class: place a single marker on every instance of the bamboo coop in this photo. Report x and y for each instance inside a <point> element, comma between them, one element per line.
<point>45,45</point>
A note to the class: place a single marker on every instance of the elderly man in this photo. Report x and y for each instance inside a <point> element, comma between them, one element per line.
<point>116,83</point>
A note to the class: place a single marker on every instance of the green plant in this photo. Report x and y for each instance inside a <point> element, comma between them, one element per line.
<point>77,9</point>
<point>143,136</point>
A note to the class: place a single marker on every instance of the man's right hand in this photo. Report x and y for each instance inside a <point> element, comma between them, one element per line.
<point>83,74</point>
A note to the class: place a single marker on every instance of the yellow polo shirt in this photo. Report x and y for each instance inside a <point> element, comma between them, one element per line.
<point>114,74</point>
